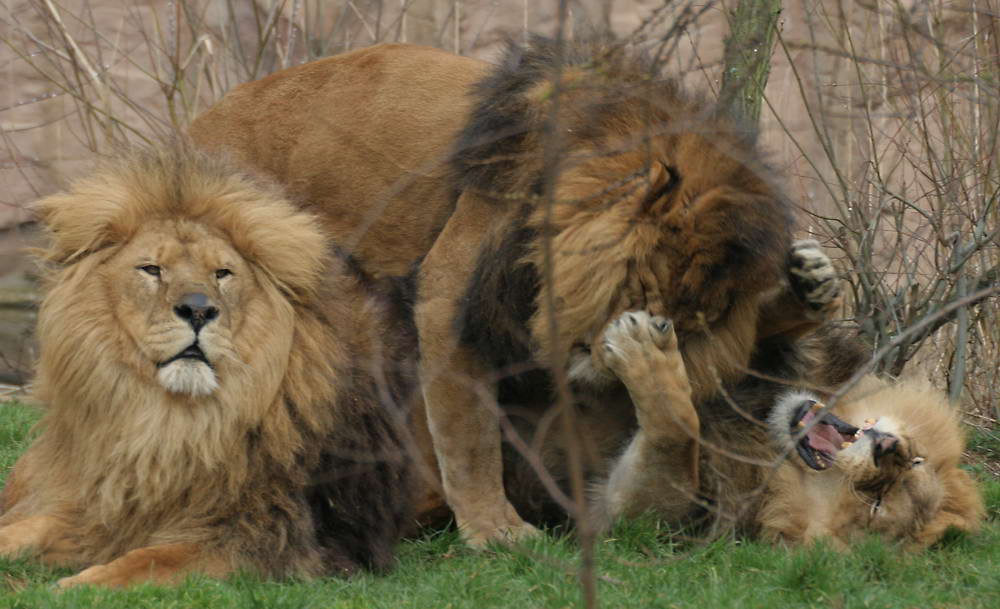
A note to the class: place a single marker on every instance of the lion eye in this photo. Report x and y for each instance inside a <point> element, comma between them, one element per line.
<point>917,461</point>
<point>151,269</point>
<point>221,273</point>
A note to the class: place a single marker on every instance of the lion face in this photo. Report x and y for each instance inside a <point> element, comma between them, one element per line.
<point>173,289</point>
<point>884,461</point>
<point>179,288</point>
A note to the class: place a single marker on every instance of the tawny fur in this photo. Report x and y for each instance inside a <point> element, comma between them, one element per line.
<point>361,139</point>
<point>913,495</point>
<point>783,501</point>
<point>651,201</point>
<point>292,466</point>
<point>660,203</point>
<point>645,219</point>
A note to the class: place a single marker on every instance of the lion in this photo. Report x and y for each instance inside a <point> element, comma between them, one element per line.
<point>764,459</point>
<point>542,197</point>
<point>217,392</point>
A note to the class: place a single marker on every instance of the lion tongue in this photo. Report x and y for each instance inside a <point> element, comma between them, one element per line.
<point>825,438</point>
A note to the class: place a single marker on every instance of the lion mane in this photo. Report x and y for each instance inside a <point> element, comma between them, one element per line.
<point>293,465</point>
<point>659,203</point>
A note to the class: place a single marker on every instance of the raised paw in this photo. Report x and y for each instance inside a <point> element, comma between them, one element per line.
<point>812,276</point>
<point>633,338</point>
<point>641,349</point>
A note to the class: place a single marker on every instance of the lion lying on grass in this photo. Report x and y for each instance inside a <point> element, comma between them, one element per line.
<point>216,394</point>
<point>659,203</point>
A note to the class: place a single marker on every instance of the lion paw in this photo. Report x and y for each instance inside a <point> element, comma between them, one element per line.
<point>812,276</point>
<point>641,349</point>
<point>481,537</point>
<point>634,337</point>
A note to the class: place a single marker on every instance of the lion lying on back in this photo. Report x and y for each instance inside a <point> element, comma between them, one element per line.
<point>216,391</point>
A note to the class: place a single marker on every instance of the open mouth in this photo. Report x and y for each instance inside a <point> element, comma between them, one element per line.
<point>193,351</point>
<point>824,438</point>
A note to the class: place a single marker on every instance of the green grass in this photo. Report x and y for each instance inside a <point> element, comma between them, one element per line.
<point>986,444</point>
<point>638,567</point>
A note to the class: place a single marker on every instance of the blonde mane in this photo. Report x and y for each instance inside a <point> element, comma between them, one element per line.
<point>125,463</point>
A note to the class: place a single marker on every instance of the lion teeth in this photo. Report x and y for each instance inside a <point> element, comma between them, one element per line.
<point>845,444</point>
<point>816,407</point>
<point>802,424</point>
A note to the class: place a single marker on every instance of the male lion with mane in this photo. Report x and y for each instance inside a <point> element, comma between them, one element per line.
<point>216,394</point>
<point>548,198</point>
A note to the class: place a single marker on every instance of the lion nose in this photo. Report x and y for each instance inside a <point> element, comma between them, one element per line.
<point>883,444</point>
<point>196,309</point>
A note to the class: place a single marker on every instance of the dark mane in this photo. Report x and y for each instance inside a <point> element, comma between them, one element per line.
<point>826,358</point>
<point>499,134</point>
<point>362,506</point>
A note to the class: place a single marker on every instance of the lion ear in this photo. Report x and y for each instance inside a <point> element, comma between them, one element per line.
<point>662,180</point>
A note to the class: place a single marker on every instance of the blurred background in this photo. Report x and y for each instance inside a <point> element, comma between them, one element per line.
<point>883,116</point>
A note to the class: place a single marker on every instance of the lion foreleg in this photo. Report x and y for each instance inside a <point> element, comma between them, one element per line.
<point>162,564</point>
<point>467,442</point>
<point>659,470</point>
<point>464,426</point>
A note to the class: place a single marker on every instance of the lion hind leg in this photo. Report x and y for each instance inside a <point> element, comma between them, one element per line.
<point>659,469</point>
<point>161,564</point>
